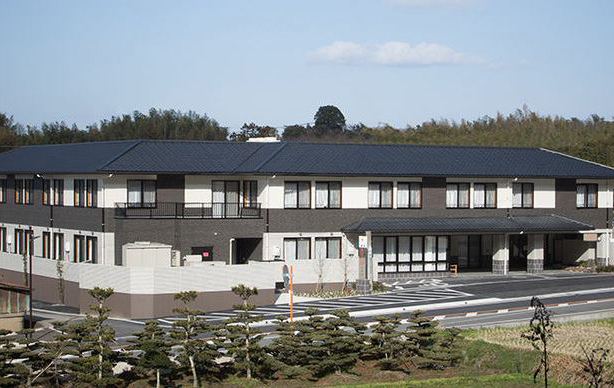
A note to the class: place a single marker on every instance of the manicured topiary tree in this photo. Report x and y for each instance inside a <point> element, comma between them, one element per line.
<point>196,354</point>
<point>241,339</point>
<point>385,344</point>
<point>154,351</point>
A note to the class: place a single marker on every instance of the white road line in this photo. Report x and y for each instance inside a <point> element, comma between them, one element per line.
<point>165,321</point>
<point>502,311</point>
<point>439,317</point>
<point>472,314</point>
<point>563,305</point>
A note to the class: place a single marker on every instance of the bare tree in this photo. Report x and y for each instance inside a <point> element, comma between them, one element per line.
<point>594,364</point>
<point>539,333</point>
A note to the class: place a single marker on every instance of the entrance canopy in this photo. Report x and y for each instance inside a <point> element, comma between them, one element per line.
<point>517,224</point>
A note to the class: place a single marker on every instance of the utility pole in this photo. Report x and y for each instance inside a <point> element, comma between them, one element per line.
<point>30,248</point>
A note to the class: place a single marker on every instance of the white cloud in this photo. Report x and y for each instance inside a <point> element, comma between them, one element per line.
<point>430,3</point>
<point>390,54</point>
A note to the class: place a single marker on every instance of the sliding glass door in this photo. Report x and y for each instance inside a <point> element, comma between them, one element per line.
<point>225,196</point>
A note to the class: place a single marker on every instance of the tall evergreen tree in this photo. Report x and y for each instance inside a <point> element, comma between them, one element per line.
<point>52,350</point>
<point>241,340</point>
<point>197,355</point>
<point>92,339</point>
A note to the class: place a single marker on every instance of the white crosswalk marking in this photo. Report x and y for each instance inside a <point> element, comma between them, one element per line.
<point>405,297</point>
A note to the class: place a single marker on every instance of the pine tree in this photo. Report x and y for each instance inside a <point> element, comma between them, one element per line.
<point>342,340</point>
<point>289,348</point>
<point>197,355</point>
<point>52,351</point>
<point>386,344</point>
<point>241,340</point>
<point>155,351</point>
<point>91,339</point>
<point>421,341</point>
<point>447,351</point>
<point>13,356</point>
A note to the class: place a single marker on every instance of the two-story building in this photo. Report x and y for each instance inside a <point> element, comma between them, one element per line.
<point>151,218</point>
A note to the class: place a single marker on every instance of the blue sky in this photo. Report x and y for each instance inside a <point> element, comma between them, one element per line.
<point>275,62</point>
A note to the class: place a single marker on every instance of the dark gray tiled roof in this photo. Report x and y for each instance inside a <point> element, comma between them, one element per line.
<point>202,157</point>
<point>78,158</point>
<point>552,223</point>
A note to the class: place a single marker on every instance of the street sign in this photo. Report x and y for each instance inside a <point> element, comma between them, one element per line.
<point>286,276</point>
<point>362,241</point>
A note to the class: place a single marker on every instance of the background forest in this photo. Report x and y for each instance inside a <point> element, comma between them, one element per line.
<point>591,138</point>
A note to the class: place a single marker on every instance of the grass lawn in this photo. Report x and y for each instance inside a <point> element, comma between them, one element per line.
<point>500,380</point>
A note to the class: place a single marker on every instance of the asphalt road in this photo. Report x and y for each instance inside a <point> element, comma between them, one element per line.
<point>461,302</point>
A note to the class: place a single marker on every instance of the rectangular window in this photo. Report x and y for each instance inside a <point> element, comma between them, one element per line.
<point>79,249</point>
<point>92,193</point>
<point>141,193</point>
<point>2,190</point>
<point>586,195</point>
<point>3,242</point>
<point>250,194</point>
<point>79,192</point>
<point>58,192</point>
<point>409,195</point>
<point>58,246</point>
<point>380,195</point>
<point>22,240</point>
<point>297,195</point>
<point>522,195</point>
<point>485,195</point>
<point>328,248</point>
<point>328,195</point>
<point>86,192</point>
<point>297,249</point>
<point>46,191</point>
<point>457,195</point>
<point>91,249</point>
<point>23,191</point>
<point>46,245</point>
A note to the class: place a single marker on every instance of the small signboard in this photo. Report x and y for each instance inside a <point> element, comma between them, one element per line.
<point>286,276</point>
<point>591,237</point>
<point>362,242</point>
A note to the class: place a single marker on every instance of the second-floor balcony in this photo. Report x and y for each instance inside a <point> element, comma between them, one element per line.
<point>187,210</point>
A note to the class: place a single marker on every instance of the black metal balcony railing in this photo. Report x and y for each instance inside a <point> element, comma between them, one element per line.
<point>187,210</point>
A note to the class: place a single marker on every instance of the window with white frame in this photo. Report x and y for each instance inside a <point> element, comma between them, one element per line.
<point>23,191</point>
<point>328,195</point>
<point>250,193</point>
<point>22,242</point>
<point>85,249</point>
<point>380,195</point>
<point>46,245</point>
<point>297,195</point>
<point>522,195</point>
<point>58,192</point>
<point>409,195</point>
<point>457,195</point>
<point>297,248</point>
<point>91,249</point>
<point>2,190</point>
<point>410,253</point>
<point>586,195</point>
<point>328,248</point>
<point>85,192</point>
<point>485,195</point>
<point>141,193</point>
<point>3,242</point>
<point>58,246</point>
